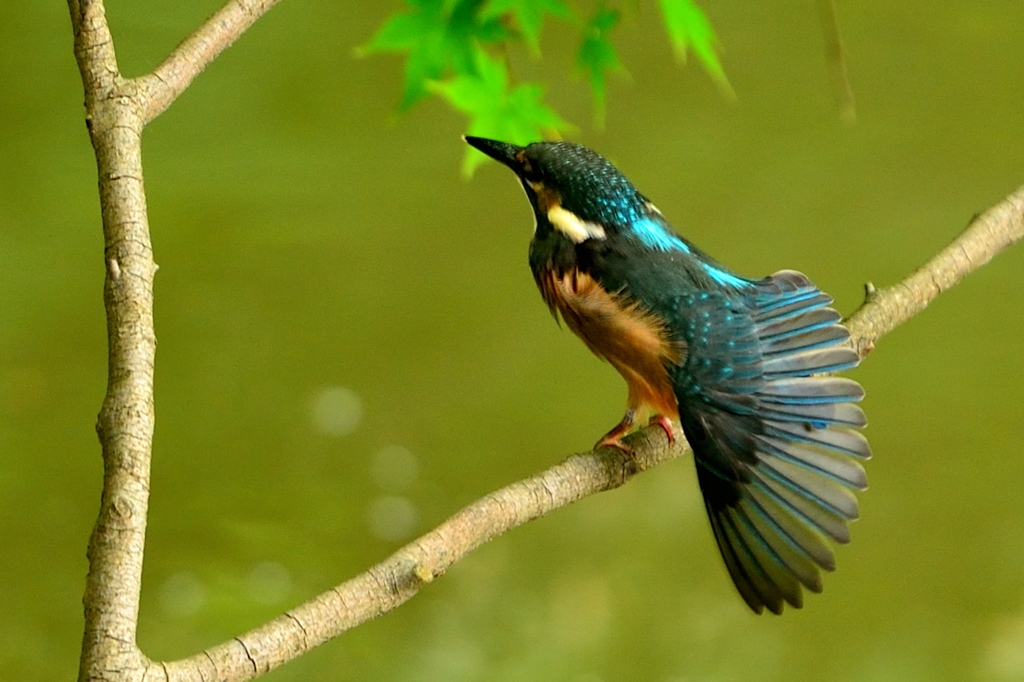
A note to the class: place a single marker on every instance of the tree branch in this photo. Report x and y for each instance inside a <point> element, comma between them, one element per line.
<point>161,87</point>
<point>116,113</point>
<point>398,578</point>
<point>988,234</point>
<point>125,423</point>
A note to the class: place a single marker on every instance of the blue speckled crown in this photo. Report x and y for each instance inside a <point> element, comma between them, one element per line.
<point>590,186</point>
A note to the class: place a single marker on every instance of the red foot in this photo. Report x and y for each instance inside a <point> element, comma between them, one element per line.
<point>666,425</point>
<point>616,443</point>
<point>613,439</point>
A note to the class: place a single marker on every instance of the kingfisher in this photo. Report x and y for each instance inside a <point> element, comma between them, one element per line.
<point>742,365</point>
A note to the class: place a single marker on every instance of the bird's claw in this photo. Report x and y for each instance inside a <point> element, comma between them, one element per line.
<point>614,442</point>
<point>666,425</point>
<point>613,439</point>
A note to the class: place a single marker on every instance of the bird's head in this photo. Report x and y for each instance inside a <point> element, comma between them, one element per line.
<point>573,189</point>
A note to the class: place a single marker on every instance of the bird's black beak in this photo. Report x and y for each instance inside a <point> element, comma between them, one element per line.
<point>502,152</point>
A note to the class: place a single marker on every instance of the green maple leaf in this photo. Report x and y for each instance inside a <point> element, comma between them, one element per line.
<point>689,29</point>
<point>597,57</point>
<point>529,16</point>
<point>496,110</point>
<point>440,37</point>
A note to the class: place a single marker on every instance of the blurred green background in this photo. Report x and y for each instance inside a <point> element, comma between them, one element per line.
<point>351,347</point>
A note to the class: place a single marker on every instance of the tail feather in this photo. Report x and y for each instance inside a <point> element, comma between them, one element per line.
<point>777,453</point>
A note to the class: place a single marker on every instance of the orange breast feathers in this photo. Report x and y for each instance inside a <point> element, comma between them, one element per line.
<point>622,332</point>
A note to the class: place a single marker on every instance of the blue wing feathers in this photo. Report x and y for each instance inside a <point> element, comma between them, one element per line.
<point>784,315</point>
<point>805,363</point>
<point>842,441</point>
<point>774,305</point>
<point>792,343</point>
<point>840,469</point>
<point>845,414</point>
<point>818,489</point>
<point>754,586</point>
<point>777,453</point>
<point>758,586</point>
<point>768,549</point>
<point>799,324</point>
<point>811,390</point>
<point>814,519</point>
<point>801,553</point>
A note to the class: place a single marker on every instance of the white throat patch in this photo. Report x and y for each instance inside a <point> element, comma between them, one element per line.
<point>570,224</point>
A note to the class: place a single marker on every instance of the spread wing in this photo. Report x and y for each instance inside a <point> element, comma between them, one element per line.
<point>776,452</point>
